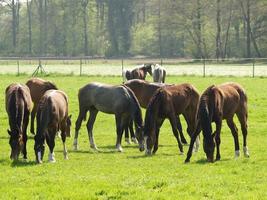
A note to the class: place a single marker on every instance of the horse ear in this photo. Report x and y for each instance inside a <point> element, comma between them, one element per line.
<point>9,132</point>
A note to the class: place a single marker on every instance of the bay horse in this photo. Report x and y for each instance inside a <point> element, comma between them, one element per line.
<point>52,116</point>
<point>143,91</point>
<point>137,73</point>
<point>218,103</point>
<point>18,107</point>
<point>117,100</point>
<point>168,102</point>
<point>37,88</point>
<point>159,74</point>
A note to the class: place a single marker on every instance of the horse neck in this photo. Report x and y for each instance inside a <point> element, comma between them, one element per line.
<point>136,112</point>
<point>152,112</point>
<point>16,107</point>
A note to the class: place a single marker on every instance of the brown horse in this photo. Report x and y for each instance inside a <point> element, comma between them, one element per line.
<point>37,88</point>
<point>52,116</point>
<point>168,102</point>
<point>144,90</point>
<point>218,103</point>
<point>18,108</point>
<point>138,73</point>
<point>117,100</point>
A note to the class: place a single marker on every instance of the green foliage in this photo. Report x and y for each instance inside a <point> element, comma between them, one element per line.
<point>130,175</point>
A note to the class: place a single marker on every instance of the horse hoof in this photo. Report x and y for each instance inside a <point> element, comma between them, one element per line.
<point>66,157</point>
<point>187,161</point>
<point>237,154</point>
<point>134,140</point>
<point>127,140</point>
<point>75,147</point>
<point>52,161</point>
<point>246,153</point>
<point>181,153</point>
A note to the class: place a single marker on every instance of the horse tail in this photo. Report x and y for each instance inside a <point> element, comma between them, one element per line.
<point>206,110</point>
<point>12,110</point>
<point>153,109</point>
<point>20,108</point>
<point>44,114</point>
<point>135,107</point>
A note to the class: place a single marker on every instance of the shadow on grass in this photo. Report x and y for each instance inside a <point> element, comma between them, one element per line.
<point>20,163</point>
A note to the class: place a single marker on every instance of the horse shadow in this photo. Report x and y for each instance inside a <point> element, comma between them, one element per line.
<point>20,163</point>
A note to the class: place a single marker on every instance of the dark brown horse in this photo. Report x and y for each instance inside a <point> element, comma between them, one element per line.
<point>117,100</point>
<point>168,102</point>
<point>37,88</point>
<point>138,73</point>
<point>218,103</point>
<point>144,90</point>
<point>52,116</point>
<point>18,108</point>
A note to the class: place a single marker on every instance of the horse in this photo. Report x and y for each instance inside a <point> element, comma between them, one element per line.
<point>218,103</point>
<point>37,88</point>
<point>117,100</point>
<point>52,116</point>
<point>137,73</point>
<point>159,74</point>
<point>144,90</point>
<point>168,102</point>
<point>18,107</point>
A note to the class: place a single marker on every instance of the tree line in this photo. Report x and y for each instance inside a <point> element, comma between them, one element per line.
<point>117,28</point>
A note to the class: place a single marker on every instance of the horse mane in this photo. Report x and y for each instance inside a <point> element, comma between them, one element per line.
<point>206,111</point>
<point>17,111</point>
<point>153,109</point>
<point>136,110</point>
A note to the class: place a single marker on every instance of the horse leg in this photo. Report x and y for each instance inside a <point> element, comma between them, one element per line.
<point>192,141</point>
<point>173,122</point>
<point>156,145</point>
<point>126,129</point>
<point>77,128</point>
<point>133,138</point>
<point>89,125</point>
<point>232,126</point>
<point>120,123</point>
<point>33,113</point>
<point>180,129</point>
<point>25,137</point>
<point>63,138</point>
<point>218,138</point>
<point>242,117</point>
<point>50,140</point>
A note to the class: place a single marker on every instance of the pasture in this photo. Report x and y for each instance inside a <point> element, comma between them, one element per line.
<point>131,175</point>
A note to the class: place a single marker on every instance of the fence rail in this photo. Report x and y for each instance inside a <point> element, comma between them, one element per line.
<point>102,66</point>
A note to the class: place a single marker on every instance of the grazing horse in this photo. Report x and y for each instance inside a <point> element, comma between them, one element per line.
<point>117,100</point>
<point>218,103</point>
<point>137,73</point>
<point>18,108</point>
<point>52,116</point>
<point>168,102</point>
<point>37,88</point>
<point>144,90</point>
<point>159,74</point>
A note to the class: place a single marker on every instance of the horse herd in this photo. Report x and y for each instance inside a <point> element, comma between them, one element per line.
<point>161,101</point>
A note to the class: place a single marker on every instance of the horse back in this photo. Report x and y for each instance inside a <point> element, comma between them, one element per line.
<point>38,87</point>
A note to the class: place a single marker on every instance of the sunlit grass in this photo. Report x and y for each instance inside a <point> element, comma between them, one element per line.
<point>130,175</point>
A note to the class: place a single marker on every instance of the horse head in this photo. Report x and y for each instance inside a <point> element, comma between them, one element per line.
<point>16,143</point>
<point>140,137</point>
<point>209,147</point>
<point>148,68</point>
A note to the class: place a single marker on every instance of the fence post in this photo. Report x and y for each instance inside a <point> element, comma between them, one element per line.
<point>253,67</point>
<point>18,66</point>
<point>204,67</point>
<point>81,63</point>
<point>122,68</point>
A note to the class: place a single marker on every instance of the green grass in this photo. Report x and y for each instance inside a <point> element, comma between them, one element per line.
<point>131,175</point>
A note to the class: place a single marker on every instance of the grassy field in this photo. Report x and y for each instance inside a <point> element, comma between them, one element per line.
<point>130,175</point>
